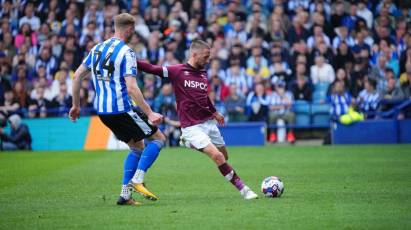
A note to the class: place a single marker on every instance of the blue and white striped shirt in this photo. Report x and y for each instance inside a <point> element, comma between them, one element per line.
<point>368,101</point>
<point>339,104</point>
<point>110,62</point>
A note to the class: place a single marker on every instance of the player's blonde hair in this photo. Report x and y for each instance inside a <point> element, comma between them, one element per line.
<point>123,20</point>
<point>198,44</point>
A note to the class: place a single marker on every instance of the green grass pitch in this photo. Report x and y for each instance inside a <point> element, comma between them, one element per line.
<point>341,187</point>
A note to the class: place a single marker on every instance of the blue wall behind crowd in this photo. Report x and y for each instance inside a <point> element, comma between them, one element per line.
<point>373,132</point>
<point>58,133</point>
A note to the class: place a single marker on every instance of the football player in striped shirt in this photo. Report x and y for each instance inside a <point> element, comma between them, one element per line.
<point>113,70</point>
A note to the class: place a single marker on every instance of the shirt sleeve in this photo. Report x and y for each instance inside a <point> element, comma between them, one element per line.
<point>131,63</point>
<point>87,61</point>
<point>170,71</point>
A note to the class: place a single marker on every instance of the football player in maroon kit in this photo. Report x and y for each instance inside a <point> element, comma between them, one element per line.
<point>196,113</point>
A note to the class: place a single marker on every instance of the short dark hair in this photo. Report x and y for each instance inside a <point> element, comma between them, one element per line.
<point>372,82</point>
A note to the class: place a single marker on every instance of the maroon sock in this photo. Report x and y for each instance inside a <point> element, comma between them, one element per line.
<point>229,173</point>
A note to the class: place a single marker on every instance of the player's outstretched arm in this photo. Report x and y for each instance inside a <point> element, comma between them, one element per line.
<point>79,75</point>
<point>150,68</point>
<point>137,96</point>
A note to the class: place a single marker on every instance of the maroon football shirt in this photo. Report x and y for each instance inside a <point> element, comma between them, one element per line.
<point>191,89</point>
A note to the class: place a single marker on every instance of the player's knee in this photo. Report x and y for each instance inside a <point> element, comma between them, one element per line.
<point>224,152</point>
<point>218,158</point>
<point>159,136</point>
<point>136,144</point>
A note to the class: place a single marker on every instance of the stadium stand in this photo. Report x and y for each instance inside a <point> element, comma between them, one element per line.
<point>310,45</point>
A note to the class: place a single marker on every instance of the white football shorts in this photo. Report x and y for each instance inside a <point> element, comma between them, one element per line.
<point>200,135</point>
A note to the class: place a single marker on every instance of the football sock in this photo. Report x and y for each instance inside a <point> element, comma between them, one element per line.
<point>125,192</point>
<point>148,157</point>
<point>229,173</point>
<point>130,164</point>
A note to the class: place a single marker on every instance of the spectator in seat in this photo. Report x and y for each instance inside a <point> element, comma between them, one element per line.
<point>165,99</point>
<point>342,36</point>
<point>19,137</point>
<point>10,105</point>
<point>38,106</point>
<point>343,57</point>
<point>29,17</point>
<point>215,69</point>
<point>48,61</point>
<point>236,75</point>
<point>62,102</point>
<point>235,104</point>
<point>257,103</point>
<point>257,65</point>
<point>22,96</point>
<point>340,101</point>
<point>383,82</point>
<point>64,75</point>
<point>322,72</point>
<point>369,98</point>
<point>301,88</point>
<point>280,108</point>
<point>220,89</point>
<point>341,76</point>
<point>279,69</point>
<point>391,95</point>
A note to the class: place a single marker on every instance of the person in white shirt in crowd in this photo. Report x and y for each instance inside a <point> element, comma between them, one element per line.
<point>321,72</point>
<point>30,18</point>
<point>365,13</point>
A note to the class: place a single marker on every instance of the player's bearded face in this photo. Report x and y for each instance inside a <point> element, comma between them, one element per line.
<point>129,34</point>
<point>203,57</point>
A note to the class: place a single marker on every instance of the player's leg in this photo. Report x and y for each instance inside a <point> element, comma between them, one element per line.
<point>130,166</point>
<point>148,156</point>
<point>202,137</point>
<point>227,171</point>
<point>223,150</point>
<point>217,139</point>
<point>128,132</point>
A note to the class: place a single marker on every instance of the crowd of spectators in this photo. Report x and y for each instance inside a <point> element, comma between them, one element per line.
<point>266,54</point>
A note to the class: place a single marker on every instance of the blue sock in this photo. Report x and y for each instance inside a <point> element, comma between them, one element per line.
<point>149,155</point>
<point>130,165</point>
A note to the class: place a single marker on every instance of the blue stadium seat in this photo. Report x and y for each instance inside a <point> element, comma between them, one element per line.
<point>321,120</point>
<point>320,108</point>
<point>320,114</point>
<point>302,110</point>
<point>302,119</point>
<point>301,106</point>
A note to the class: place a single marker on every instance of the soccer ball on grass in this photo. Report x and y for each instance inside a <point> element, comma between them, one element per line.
<point>272,187</point>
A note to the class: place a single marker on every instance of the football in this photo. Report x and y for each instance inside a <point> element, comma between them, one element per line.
<point>272,187</point>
